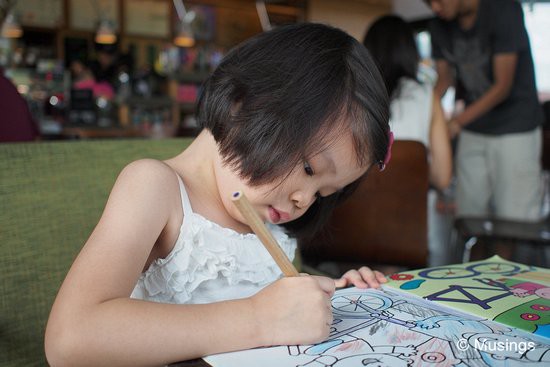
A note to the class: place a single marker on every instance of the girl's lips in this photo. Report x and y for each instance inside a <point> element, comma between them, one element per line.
<point>276,216</point>
<point>284,215</point>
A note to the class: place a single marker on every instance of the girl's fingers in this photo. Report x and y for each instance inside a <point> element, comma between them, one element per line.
<point>340,283</point>
<point>369,277</point>
<point>355,278</point>
<point>327,284</point>
<point>380,277</point>
<point>362,278</point>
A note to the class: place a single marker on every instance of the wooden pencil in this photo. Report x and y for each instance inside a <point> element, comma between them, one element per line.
<point>253,220</point>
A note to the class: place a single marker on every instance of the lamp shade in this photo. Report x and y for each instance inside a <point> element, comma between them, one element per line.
<point>184,36</point>
<point>11,27</point>
<point>184,33</point>
<point>105,33</point>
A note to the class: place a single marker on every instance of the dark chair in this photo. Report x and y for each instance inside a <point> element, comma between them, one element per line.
<point>383,224</point>
<point>474,230</point>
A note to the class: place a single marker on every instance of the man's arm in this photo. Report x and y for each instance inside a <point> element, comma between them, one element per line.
<point>508,38</point>
<point>504,69</point>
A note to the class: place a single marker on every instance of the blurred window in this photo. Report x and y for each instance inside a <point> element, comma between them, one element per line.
<point>537,16</point>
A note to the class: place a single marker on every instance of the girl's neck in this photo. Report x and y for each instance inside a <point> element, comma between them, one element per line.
<point>196,166</point>
<point>196,163</point>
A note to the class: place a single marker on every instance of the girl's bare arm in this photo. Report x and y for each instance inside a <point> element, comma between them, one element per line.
<point>94,322</point>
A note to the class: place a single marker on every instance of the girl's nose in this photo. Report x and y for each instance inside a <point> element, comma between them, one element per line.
<point>302,199</point>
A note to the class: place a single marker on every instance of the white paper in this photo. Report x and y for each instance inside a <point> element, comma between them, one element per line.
<point>383,328</point>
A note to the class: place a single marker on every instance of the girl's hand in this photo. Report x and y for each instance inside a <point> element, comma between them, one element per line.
<point>294,310</point>
<point>362,278</point>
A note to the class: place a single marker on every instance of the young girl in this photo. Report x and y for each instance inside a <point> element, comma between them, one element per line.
<point>294,118</point>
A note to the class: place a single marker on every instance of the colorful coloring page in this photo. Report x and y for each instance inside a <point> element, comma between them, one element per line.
<point>496,289</point>
<point>384,328</point>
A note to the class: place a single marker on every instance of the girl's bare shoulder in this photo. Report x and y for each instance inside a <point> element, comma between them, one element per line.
<point>147,177</point>
<point>148,171</point>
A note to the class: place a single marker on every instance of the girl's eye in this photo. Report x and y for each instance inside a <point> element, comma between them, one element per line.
<point>307,168</point>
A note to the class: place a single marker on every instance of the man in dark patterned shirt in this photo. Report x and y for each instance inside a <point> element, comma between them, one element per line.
<point>482,48</point>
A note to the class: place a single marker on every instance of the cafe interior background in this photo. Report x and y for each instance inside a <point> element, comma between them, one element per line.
<point>154,54</point>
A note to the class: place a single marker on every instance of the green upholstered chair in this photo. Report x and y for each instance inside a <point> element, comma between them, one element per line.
<point>51,196</point>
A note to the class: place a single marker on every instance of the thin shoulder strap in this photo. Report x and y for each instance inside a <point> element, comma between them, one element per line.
<point>185,203</point>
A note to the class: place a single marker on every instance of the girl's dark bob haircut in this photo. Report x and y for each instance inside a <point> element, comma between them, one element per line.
<point>285,95</point>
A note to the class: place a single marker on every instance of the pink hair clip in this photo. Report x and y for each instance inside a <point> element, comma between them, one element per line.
<point>382,165</point>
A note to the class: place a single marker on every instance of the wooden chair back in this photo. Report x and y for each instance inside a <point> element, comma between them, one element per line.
<point>385,220</point>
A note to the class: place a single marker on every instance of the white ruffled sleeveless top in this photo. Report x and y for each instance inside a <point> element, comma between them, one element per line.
<point>210,263</point>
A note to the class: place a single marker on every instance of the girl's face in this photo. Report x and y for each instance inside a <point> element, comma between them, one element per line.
<point>320,175</point>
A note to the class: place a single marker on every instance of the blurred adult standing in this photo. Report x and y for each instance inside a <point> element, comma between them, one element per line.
<point>415,114</point>
<point>482,47</point>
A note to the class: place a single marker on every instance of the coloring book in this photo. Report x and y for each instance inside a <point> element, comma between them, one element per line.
<point>389,328</point>
<point>496,289</point>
